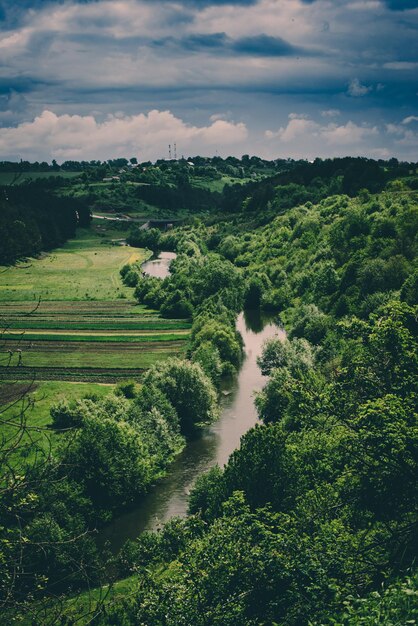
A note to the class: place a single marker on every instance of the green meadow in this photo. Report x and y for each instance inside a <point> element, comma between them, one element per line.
<point>30,401</point>
<point>86,268</point>
<point>69,310</point>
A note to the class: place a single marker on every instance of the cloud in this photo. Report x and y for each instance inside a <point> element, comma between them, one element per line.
<point>220,43</point>
<point>256,59</point>
<point>331,113</point>
<point>298,126</point>
<point>404,136</point>
<point>393,5</point>
<point>357,90</point>
<point>12,105</point>
<point>83,137</point>
<point>401,5</point>
<point>347,134</point>
<point>264,45</point>
<point>205,3</point>
<point>300,129</point>
<point>401,65</point>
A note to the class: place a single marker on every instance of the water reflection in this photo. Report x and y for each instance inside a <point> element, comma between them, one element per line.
<point>214,445</point>
<point>256,320</point>
<point>159,267</point>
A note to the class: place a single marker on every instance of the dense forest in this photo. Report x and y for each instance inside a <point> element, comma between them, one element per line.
<point>313,520</point>
<point>33,220</point>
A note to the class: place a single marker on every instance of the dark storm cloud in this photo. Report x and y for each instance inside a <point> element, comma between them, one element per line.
<point>393,5</point>
<point>220,43</point>
<point>401,5</point>
<point>23,85</point>
<point>264,45</point>
<point>200,4</point>
<point>214,42</point>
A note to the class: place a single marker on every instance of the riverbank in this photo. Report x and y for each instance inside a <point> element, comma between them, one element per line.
<point>213,446</point>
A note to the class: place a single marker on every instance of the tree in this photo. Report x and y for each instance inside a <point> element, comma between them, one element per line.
<point>111,460</point>
<point>207,355</point>
<point>188,389</point>
<point>223,338</point>
<point>294,355</point>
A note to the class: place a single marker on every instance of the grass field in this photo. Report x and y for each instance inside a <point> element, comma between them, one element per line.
<point>83,269</point>
<point>69,316</point>
<point>115,355</point>
<point>34,400</point>
<point>15,339</point>
<point>218,184</point>
<point>43,395</point>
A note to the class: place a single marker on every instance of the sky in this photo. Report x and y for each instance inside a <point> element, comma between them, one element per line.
<point>100,79</point>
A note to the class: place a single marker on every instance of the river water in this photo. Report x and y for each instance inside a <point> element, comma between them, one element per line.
<point>212,446</point>
<point>159,267</point>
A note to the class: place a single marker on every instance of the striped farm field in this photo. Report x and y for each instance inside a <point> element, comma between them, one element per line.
<point>15,338</point>
<point>68,316</point>
<point>155,324</point>
<point>85,355</point>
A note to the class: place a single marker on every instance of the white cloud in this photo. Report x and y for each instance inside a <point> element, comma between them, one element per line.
<point>304,137</point>
<point>364,5</point>
<point>401,65</point>
<point>291,19</point>
<point>411,118</point>
<point>296,127</point>
<point>394,129</point>
<point>83,137</point>
<point>331,113</point>
<point>402,134</point>
<point>380,153</point>
<point>298,116</point>
<point>357,90</point>
<point>347,134</point>
<point>410,138</point>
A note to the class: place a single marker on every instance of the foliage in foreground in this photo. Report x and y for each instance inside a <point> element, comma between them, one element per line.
<point>111,451</point>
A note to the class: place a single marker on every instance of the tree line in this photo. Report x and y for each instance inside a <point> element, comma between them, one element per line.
<point>33,220</point>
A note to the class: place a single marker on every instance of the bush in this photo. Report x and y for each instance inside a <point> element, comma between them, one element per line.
<point>111,460</point>
<point>188,389</point>
<point>67,414</point>
<point>126,389</point>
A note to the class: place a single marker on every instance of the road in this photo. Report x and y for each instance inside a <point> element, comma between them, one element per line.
<point>119,219</point>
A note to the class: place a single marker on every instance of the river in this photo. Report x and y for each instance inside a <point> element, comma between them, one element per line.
<point>159,267</point>
<point>212,446</point>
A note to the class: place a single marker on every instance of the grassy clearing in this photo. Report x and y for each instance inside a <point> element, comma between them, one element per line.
<point>219,184</point>
<point>83,269</point>
<point>44,394</point>
<point>80,609</point>
<point>34,400</point>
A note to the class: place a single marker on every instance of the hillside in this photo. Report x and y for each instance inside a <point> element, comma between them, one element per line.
<point>313,519</point>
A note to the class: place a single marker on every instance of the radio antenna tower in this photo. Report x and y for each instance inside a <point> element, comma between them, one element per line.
<point>175,152</point>
<point>169,151</point>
